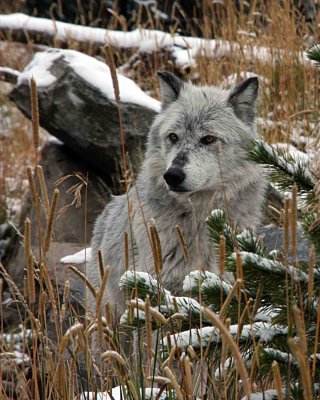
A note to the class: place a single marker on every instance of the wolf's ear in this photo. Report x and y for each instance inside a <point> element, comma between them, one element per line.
<point>170,87</point>
<point>243,99</point>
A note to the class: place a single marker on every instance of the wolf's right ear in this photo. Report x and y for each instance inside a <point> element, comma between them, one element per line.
<point>170,87</point>
<point>243,99</point>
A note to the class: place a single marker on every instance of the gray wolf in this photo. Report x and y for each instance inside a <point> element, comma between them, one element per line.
<point>196,160</point>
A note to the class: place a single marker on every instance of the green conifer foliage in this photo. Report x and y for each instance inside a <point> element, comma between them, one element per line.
<point>269,300</point>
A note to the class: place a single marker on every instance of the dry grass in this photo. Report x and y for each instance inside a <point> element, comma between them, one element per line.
<point>289,98</point>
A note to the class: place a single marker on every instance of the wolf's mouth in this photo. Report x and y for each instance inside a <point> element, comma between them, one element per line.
<point>177,189</point>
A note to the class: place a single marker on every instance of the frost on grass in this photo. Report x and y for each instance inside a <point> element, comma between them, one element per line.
<point>91,70</point>
<point>80,257</point>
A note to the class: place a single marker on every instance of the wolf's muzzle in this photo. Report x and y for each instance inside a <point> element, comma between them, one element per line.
<point>174,177</point>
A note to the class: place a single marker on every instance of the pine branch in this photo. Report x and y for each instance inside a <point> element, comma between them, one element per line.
<point>314,54</point>
<point>311,227</point>
<point>212,290</point>
<point>143,285</point>
<point>204,337</point>
<point>284,169</point>
<point>245,240</point>
<point>218,225</point>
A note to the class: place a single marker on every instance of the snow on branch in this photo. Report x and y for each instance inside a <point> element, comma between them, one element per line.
<point>144,285</point>
<point>185,49</point>
<point>258,263</point>
<point>285,168</point>
<point>203,337</point>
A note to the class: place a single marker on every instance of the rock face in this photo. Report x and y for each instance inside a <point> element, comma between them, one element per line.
<point>74,225</point>
<point>273,240</point>
<point>78,108</point>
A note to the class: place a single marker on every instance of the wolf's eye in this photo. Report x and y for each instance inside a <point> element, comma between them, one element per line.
<point>209,139</point>
<point>173,137</point>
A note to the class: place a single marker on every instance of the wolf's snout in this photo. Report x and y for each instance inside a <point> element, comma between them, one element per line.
<point>174,176</point>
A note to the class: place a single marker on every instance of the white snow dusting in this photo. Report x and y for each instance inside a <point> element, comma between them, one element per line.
<point>271,265</point>
<point>84,255</point>
<point>206,278</point>
<point>185,48</point>
<point>260,330</point>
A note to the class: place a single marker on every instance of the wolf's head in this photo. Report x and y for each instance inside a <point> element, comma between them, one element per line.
<point>201,135</point>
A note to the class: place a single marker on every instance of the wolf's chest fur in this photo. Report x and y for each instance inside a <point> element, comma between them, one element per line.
<point>196,161</point>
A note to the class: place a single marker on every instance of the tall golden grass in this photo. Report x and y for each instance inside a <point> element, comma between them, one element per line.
<point>289,98</point>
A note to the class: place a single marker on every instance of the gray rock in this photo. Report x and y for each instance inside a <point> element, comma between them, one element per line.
<point>273,240</point>
<point>80,114</point>
<point>74,224</point>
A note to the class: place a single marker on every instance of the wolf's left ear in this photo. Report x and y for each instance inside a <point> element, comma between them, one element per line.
<point>170,87</point>
<point>243,99</point>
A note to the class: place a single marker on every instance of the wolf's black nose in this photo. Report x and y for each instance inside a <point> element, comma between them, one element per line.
<point>174,176</point>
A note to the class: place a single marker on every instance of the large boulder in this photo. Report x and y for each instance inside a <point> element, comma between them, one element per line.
<point>76,101</point>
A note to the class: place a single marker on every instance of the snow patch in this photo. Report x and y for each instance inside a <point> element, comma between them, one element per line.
<point>271,265</point>
<point>202,337</point>
<point>84,255</point>
<point>91,70</point>
<point>207,279</point>
<point>185,48</point>
<point>39,69</point>
<point>10,71</point>
<point>118,393</point>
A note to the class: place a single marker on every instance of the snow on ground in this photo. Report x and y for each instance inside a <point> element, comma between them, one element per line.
<point>232,79</point>
<point>91,70</point>
<point>185,48</point>
<point>270,394</point>
<point>294,152</point>
<point>80,257</point>
<point>117,394</point>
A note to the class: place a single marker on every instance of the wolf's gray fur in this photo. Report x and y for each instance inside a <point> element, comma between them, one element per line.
<point>196,160</point>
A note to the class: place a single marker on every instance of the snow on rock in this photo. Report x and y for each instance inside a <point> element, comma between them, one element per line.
<point>39,69</point>
<point>185,48</point>
<point>80,257</point>
<point>93,71</point>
